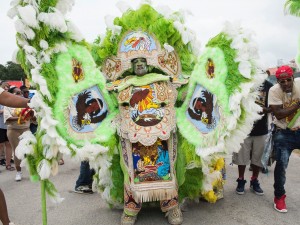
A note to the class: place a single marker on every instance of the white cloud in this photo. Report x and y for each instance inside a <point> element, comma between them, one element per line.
<point>276,34</point>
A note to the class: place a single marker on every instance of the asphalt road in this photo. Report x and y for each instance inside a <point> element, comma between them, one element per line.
<point>23,199</point>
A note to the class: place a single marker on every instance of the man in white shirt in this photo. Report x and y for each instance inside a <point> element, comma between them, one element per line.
<point>284,101</point>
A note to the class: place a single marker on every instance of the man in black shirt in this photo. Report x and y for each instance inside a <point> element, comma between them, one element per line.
<point>253,146</point>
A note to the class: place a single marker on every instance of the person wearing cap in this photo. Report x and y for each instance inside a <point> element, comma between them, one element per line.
<point>284,101</point>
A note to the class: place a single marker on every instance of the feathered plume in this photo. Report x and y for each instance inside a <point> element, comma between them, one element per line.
<point>292,7</point>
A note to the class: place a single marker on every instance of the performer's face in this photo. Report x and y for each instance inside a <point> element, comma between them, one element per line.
<point>140,67</point>
<point>286,84</point>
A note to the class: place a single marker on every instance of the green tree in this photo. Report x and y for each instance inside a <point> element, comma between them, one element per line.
<point>11,71</point>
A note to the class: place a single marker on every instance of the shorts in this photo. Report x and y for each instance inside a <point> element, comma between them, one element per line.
<point>251,151</point>
<point>3,135</point>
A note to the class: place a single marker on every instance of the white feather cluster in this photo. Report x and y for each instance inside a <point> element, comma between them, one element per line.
<point>247,51</point>
<point>44,169</point>
<point>55,20</point>
<point>109,21</point>
<point>123,6</point>
<point>25,147</point>
<point>28,14</point>
<point>65,5</point>
<point>75,34</point>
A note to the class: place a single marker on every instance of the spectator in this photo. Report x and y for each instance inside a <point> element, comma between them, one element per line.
<point>4,143</point>
<point>85,179</point>
<point>253,147</point>
<point>9,100</point>
<point>284,102</point>
<point>14,129</point>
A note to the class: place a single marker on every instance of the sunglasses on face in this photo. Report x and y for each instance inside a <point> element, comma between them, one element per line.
<point>25,92</point>
<point>18,93</point>
<point>285,80</point>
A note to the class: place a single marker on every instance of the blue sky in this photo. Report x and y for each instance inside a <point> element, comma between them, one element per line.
<point>277,34</point>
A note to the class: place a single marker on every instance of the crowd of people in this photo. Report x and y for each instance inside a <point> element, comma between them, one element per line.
<point>282,100</point>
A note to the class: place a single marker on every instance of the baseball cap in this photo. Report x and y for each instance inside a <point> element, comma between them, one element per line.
<point>284,72</point>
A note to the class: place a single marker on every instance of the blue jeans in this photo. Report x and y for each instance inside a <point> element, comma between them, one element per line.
<point>285,141</point>
<point>86,175</point>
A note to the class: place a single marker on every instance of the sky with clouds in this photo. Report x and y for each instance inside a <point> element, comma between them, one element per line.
<point>276,34</point>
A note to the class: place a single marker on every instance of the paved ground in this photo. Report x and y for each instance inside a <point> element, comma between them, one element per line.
<point>23,199</point>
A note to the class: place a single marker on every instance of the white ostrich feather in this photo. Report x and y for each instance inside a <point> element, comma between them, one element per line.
<point>46,140</point>
<point>245,69</point>
<point>29,49</point>
<point>14,3</point>
<point>56,199</point>
<point>55,20</point>
<point>52,132</point>
<point>60,47</point>
<point>74,31</point>
<point>32,60</point>
<point>20,27</point>
<point>21,41</point>
<point>24,163</point>
<point>61,142</point>
<point>164,10</point>
<point>232,29</point>
<point>47,122</point>
<point>11,13</point>
<point>168,47</point>
<point>123,6</point>
<point>28,136</point>
<point>23,149</point>
<point>44,57</point>
<point>33,3</point>
<point>28,15</point>
<point>65,6</point>
<point>47,152</point>
<point>14,56</point>
<point>44,169</point>
<point>44,44</point>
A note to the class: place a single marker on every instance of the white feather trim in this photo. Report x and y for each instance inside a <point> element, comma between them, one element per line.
<point>14,56</point>
<point>74,31</point>
<point>54,20</point>
<point>14,3</point>
<point>47,152</point>
<point>168,47</point>
<point>28,15</point>
<point>65,6</point>
<point>11,13</point>
<point>44,169</point>
<point>29,49</point>
<point>44,44</point>
<point>56,198</point>
<point>245,69</point>
<point>123,6</point>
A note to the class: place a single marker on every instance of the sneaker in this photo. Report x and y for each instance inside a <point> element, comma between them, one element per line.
<point>264,170</point>
<point>240,189</point>
<point>85,189</point>
<point>174,216</point>
<point>18,176</point>
<point>255,187</point>
<point>2,162</point>
<point>128,220</point>
<point>279,204</point>
<point>250,168</point>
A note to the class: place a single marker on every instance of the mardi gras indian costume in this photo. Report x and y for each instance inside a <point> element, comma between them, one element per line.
<point>153,117</point>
